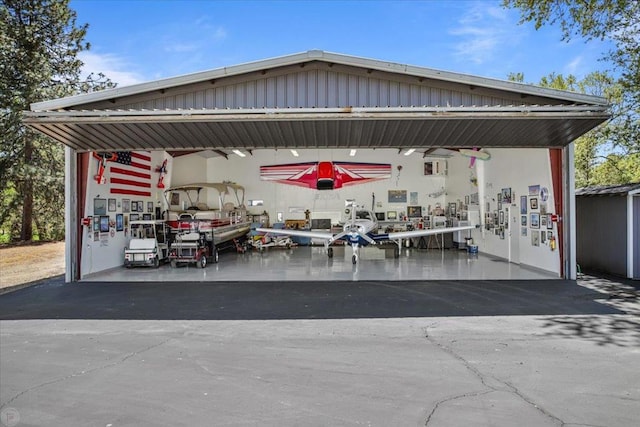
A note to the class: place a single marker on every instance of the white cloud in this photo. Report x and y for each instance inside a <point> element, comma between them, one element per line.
<point>481,33</point>
<point>112,66</point>
<point>575,66</point>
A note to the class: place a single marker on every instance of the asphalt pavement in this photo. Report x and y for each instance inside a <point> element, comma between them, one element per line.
<point>442,353</point>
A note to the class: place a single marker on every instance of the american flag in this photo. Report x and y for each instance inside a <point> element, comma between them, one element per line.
<point>130,173</point>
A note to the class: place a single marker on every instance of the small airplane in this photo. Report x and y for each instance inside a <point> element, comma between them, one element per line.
<point>361,230</point>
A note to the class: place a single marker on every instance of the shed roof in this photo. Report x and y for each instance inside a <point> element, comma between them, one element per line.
<point>609,190</point>
<point>318,99</point>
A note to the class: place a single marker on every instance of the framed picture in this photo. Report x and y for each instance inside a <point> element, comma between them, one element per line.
<point>134,206</point>
<point>397,196</point>
<point>499,197</point>
<point>175,199</point>
<point>523,205</point>
<point>506,195</point>
<point>147,217</point>
<point>96,223</point>
<point>112,205</point>
<point>119,222</point>
<point>523,231</point>
<point>452,209</point>
<point>543,221</point>
<point>149,207</point>
<point>549,222</point>
<point>104,224</point>
<point>99,207</point>
<point>523,220</point>
<point>534,218</point>
<point>499,205</point>
<point>126,221</point>
<point>134,217</point>
<point>534,203</point>
<point>535,238</point>
<point>126,205</point>
<point>466,200</point>
<point>428,168</point>
<point>501,220</point>
<point>549,235</point>
<point>534,190</point>
<point>392,215</point>
<point>414,211</point>
<point>140,206</point>
<point>96,236</point>
<point>543,237</point>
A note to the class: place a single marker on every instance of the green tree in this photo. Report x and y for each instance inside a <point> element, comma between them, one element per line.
<point>617,21</point>
<point>39,46</point>
<point>598,160</point>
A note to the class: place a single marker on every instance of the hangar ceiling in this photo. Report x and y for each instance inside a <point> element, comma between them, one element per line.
<point>305,101</point>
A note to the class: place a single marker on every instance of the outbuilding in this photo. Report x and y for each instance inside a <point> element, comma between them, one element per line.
<point>608,229</point>
<point>226,123</point>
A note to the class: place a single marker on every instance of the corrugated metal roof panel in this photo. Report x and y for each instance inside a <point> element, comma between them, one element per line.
<point>609,190</point>
<point>268,75</point>
<point>323,128</point>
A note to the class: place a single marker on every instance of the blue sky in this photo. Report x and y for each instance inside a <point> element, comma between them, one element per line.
<point>137,41</point>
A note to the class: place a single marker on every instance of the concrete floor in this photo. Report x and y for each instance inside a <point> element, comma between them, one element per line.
<point>311,263</point>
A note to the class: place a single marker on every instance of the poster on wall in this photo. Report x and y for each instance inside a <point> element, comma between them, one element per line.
<point>413,198</point>
<point>397,196</point>
<point>534,190</point>
<point>112,205</point>
<point>104,224</point>
<point>506,195</point>
<point>99,207</point>
<point>119,222</point>
<point>126,205</point>
<point>523,205</point>
<point>150,207</point>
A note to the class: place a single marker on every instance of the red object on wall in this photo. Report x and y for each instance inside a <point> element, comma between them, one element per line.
<point>555,156</point>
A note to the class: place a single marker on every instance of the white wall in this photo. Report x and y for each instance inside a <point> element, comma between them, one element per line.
<point>108,251</point>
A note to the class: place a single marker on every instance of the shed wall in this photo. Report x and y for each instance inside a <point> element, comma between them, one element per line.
<point>601,228</point>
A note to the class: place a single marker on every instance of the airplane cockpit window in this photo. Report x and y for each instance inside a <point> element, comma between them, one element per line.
<point>363,215</point>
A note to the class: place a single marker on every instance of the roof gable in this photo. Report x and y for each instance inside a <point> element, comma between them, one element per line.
<point>317,79</point>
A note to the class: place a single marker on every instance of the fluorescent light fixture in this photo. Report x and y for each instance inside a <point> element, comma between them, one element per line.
<point>239,153</point>
<point>352,152</point>
<point>409,151</point>
<point>295,153</point>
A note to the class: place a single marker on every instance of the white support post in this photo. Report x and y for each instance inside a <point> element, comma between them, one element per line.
<point>569,216</point>
<point>70,215</point>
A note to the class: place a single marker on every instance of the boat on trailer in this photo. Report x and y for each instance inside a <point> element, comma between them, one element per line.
<point>218,225</point>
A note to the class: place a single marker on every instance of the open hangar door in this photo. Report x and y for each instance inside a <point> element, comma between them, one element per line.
<point>306,102</point>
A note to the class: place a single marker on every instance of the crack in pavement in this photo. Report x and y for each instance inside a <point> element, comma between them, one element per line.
<point>85,372</point>
<point>483,379</point>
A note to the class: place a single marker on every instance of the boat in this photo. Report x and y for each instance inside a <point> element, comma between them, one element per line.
<point>228,221</point>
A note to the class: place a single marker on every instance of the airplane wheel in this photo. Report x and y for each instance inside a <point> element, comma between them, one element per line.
<point>202,263</point>
<point>330,252</point>
<point>354,259</point>
<point>396,252</point>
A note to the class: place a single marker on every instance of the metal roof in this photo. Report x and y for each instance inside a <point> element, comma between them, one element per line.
<point>609,190</point>
<point>320,118</point>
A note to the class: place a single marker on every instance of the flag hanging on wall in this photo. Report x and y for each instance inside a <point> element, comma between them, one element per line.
<point>130,173</point>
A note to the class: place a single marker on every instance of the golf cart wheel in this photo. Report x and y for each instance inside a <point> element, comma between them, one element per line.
<point>156,262</point>
<point>202,262</point>
<point>330,252</point>
<point>215,256</point>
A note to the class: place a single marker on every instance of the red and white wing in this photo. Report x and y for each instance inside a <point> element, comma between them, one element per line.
<point>300,174</point>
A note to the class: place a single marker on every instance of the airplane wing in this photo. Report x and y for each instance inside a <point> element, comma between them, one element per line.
<point>420,233</point>
<point>300,233</point>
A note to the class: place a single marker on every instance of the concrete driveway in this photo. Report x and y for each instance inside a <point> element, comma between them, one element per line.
<point>416,353</point>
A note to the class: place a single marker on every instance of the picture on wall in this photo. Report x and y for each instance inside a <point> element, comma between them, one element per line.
<point>414,211</point>
<point>140,206</point>
<point>523,231</point>
<point>501,221</point>
<point>413,198</point>
<point>523,220</point>
<point>126,205</point>
<point>134,206</point>
<point>96,223</point>
<point>99,207</point>
<point>392,215</point>
<point>543,221</point>
<point>534,203</point>
<point>147,217</point>
<point>175,199</point>
<point>506,195</point>
<point>134,217</point>
<point>549,222</point>
<point>534,219</point>
<point>119,222</point>
<point>150,207</point>
<point>104,224</point>
<point>535,238</point>
<point>397,196</point>
<point>112,205</point>
<point>523,205</point>
<point>534,190</point>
